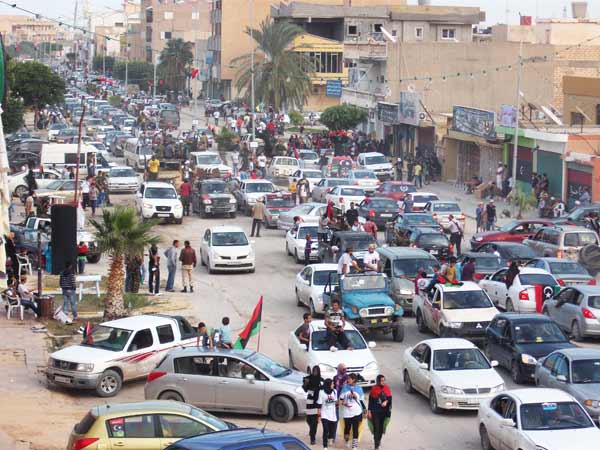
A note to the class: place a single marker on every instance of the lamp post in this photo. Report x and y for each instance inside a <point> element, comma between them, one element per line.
<point>252,98</point>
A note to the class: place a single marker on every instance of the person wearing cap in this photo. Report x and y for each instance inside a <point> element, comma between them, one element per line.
<point>259,215</point>
<point>490,209</point>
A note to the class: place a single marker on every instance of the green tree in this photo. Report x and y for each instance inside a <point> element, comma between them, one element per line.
<point>282,76</point>
<point>296,118</point>
<point>522,201</point>
<point>225,139</point>
<point>138,72</point>
<point>120,233</point>
<point>343,117</point>
<point>175,62</point>
<point>101,62</point>
<point>12,117</point>
<point>36,83</point>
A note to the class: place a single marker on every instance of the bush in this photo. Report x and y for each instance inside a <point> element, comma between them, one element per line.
<point>296,118</point>
<point>12,119</point>
<point>343,117</point>
<point>225,139</point>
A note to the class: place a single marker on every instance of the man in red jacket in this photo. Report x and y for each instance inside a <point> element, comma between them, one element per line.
<point>185,190</point>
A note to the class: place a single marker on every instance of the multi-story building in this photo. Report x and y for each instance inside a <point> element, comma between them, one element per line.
<point>17,28</point>
<point>581,101</point>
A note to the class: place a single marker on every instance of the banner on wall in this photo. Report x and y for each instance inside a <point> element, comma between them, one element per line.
<point>476,122</point>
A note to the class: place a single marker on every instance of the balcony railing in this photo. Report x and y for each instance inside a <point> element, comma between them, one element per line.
<point>365,49</point>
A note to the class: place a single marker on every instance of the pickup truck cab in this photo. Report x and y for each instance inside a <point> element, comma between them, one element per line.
<point>117,351</point>
<point>366,303</point>
<point>331,249</point>
<point>250,191</point>
<point>454,310</point>
<point>378,163</point>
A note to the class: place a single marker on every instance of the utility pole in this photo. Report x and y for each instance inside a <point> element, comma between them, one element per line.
<point>104,56</point>
<point>518,105</point>
<point>126,49</point>
<point>154,81</point>
<point>252,100</point>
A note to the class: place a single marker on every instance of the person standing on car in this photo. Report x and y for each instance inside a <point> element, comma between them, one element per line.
<point>188,263</point>
<point>171,255</point>
<point>351,215</point>
<point>456,233</point>
<point>312,386</point>
<point>259,215</point>
<point>185,190</point>
<point>327,411</point>
<point>379,409</point>
<point>351,399</point>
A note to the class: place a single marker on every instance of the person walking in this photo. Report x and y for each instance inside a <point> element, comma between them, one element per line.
<point>490,210</point>
<point>67,285</point>
<point>418,171</point>
<point>85,193</point>
<point>478,217</point>
<point>82,251</point>
<point>327,412</point>
<point>153,166</point>
<point>188,264</point>
<point>307,249</point>
<point>312,386</point>
<point>259,214</point>
<point>379,409</point>
<point>171,255</point>
<point>351,400</point>
<point>93,197</point>
<point>153,271</point>
<point>185,191</point>
<point>261,162</point>
<point>456,233</point>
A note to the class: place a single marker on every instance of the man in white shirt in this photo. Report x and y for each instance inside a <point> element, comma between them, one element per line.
<point>235,162</point>
<point>346,262</point>
<point>85,193</point>
<point>456,233</point>
<point>261,162</point>
<point>372,261</point>
<point>216,116</point>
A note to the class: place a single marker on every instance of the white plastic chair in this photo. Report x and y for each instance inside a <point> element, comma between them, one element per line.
<point>24,262</point>
<point>13,303</point>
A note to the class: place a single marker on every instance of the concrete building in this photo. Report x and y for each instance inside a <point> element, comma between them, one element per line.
<point>581,101</point>
<point>19,28</point>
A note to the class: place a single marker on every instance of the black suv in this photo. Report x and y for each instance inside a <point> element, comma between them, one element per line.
<point>212,196</point>
<point>432,241</point>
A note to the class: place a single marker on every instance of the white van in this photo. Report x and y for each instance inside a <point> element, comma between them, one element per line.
<point>136,154</point>
<point>60,155</point>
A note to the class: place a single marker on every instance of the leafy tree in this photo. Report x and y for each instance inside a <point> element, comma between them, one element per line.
<point>523,201</point>
<point>120,233</point>
<point>36,83</point>
<point>281,75</point>
<point>296,118</point>
<point>101,62</point>
<point>343,117</point>
<point>175,62</point>
<point>138,72</point>
<point>225,139</point>
<point>12,118</point>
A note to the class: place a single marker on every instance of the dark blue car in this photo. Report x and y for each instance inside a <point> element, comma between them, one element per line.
<point>240,439</point>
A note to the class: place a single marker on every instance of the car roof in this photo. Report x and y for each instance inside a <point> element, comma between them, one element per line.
<point>319,325</point>
<point>588,289</point>
<point>194,351</point>
<point>447,343</point>
<point>207,152</point>
<point>479,255</point>
<point>424,193</point>
<point>231,439</point>
<point>158,184</point>
<point>225,229</point>
<point>120,167</point>
<point>523,318</point>
<point>134,322</point>
<point>505,244</point>
<point>323,267</point>
<point>373,154</point>
<point>257,181</point>
<point>463,286</point>
<point>404,252</point>
<point>428,230</point>
<point>351,234</point>
<point>136,407</point>
<point>532,270</point>
<point>434,202</point>
<point>540,395</point>
<point>349,186</point>
<point>580,353</point>
<point>569,228</point>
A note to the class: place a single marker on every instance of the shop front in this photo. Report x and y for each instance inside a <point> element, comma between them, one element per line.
<point>579,177</point>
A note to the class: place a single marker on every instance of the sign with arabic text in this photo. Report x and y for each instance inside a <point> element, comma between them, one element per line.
<point>388,112</point>
<point>477,122</point>
<point>410,108</point>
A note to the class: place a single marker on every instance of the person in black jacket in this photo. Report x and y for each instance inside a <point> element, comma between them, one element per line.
<point>312,384</point>
<point>379,410</point>
<point>351,215</point>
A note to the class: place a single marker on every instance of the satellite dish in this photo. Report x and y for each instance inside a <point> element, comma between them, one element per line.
<point>551,116</point>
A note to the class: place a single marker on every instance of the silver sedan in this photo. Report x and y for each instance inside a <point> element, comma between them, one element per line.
<point>576,309</point>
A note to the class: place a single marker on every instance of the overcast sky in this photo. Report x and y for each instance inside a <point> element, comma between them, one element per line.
<point>495,9</point>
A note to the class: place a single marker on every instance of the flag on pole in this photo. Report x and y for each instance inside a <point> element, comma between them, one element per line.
<point>252,327</point>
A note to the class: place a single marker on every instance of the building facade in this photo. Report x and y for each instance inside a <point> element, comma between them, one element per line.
<point>581,101</point>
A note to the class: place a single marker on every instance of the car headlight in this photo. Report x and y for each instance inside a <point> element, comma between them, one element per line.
<point>178,206</point>
<point>363,312</point>
<point>452,390</point>
<point>478,239</point>
<point>84,367</point>
<point>389,310</point>
<point>371,366</point>
<point>406,292</point>
<point>592,403</point>
<point>207,201</point>
<point>148,205</point>
<point>528,359</point>
<point>232,200</point>
<point>454,324</point>
<point>498,388</point>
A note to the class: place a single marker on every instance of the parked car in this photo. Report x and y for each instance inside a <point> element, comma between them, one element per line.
<point>535,419</point>
<point>320,190</point>
<point>64,189</point>
<point>420,199</point>
<point>576,309</point>
<point>308,212</point>
<point>226,248</point>
<point>517,341</point>
<point>366,179</point>
<point>562,241</point>
<point>295,242</point>
<point>521,295</point>
<point>118,351</point>
<point>508,251</point>
<point>17,183</point>
<point>575,371</point>
<point>395,190</point>
<point>566,272</point>
<point>485,264</point>
<point>159,200</point>
<point>359,359</point>
<point>241,439</point>
<point>515,231</point>
<point>154,425</point>
<point>452,373</point>
<point>377,162</point>
<point>310,283</point>
<point>123,179</point>
<point>441,210</point>
<point>379,209</point>
<point>282,166</point>
<point>211,196</point>
<point>342,196</point>
<point>242,381</point>
<point>432,241</point>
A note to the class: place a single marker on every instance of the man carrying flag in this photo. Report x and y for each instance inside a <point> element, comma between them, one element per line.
<point>252,328</point>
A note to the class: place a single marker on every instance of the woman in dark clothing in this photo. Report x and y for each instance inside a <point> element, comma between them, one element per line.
<point>513,271</point>
<point>153,270</point>
<point>312,385</point>
<point>379,409</point>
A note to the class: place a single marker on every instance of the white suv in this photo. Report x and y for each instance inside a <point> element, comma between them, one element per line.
<point>378,163</point>
<point>159,200</point>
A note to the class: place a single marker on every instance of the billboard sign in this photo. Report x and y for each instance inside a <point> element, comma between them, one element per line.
<point>410,108</point>
<point>333,88</point>
<point>477,122</point>
<point>388,112</point>
<point>508,116</point>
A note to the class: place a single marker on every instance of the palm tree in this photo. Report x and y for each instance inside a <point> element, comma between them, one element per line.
<point>120,233</point>
<point>175,61</point>
<point>281,74</point>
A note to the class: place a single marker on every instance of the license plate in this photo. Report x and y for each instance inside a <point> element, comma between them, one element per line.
<point>163,215</point>
<point>386,215</point>
<point>433,252</point>
<point>473,401</point>
<point>60,379</point>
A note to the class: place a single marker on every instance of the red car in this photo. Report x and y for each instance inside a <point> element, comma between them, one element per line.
<point>396,190</point>
<point>515,231</point>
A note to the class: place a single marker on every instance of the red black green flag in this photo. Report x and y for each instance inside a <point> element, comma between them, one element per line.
<point>252,327</point>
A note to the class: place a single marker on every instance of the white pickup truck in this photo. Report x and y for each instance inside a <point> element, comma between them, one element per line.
<point>117,351</point>
<point>454,310</point>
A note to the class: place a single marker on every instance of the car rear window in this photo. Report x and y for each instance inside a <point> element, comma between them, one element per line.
<point>86,423</point>
<point>594,301</point>
<point>580,239</point>
<point>537,278</point>
<point>446,207</point>
<point>568,268</point>
<point>487,263</point>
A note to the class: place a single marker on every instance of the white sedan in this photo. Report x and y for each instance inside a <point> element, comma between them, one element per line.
<point>17,183</point>
<point>342,196</point>
<point>295,241</point>
<point>226,248</point>
<point>420,199</point>
<point>453,373</point>
<point>365,179</point>
<point>520,296</point>
<point>359,360</point>
<point>310,283</point>
<point>536,419</point>
<point>123,179</point>
<point>312,175</point>
<point>308,212</point>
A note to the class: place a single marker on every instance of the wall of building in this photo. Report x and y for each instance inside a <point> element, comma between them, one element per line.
<point>567,32</point>
<point>578,62</point>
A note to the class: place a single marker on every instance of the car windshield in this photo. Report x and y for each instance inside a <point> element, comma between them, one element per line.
<point>409,267</point>
<point>259,187</point>
<point>466,300</point>
<point>446,207</point>
<point>537,278</point>
<point>509,226</point>
<point>157,192</point>
<point>380,159</point>
<point>585,371</point>
<point>213,188</point>
<point>433,239</point>
<point>567,268</point>
<point>459,359</point>
<point>312,174</point>
<point>322,277</point>
<point>487,263</point>
<point>554,416</point>
<point>116,173</point>
<point>352,192</point>
<point>320,342</point>
<point>55,185</point>
<point>107,338</point>
<point>419,198</point>
<point>209,419</point>
<point>538,332</point>
<point>307,230</point>
<point>229,239</point>
<point>519,252</point>
<point>362,282</point>
<point>268,365</point>
<point>207,159</point>
<point>360,244</point>
<point>309,156</point>
<point>285,201</point>
<point>381,203</point>
<point>419,219</point>
<point>365,174</point>
<point>580,239</point>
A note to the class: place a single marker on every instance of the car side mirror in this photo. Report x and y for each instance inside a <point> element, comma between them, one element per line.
<point>561,378</point>
<point>424,366</point>
<point>494,363</point>
<point>372,344</point>
<point>250,377</point>
<point>508,423</point>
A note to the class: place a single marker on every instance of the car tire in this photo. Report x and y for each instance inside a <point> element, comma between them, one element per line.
<point>515,373</point>
<point>281,409</point>
<point>298,302</point>
<point>179,221</point>
<point>433,404</point>
<point>171,395</point>
<point>485,439</point>
<point>576,333</point>
<point>420,322</point>
<point>509,305</point>
<point>298,261</point>
<point>93,259</point>
<point>408,386</point>
<point>109,383</point>
<point>210,270</point>
<point>398,333</point>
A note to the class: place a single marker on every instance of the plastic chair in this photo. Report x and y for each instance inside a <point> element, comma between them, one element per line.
<point>12,304</point>
<point>24,262</point>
